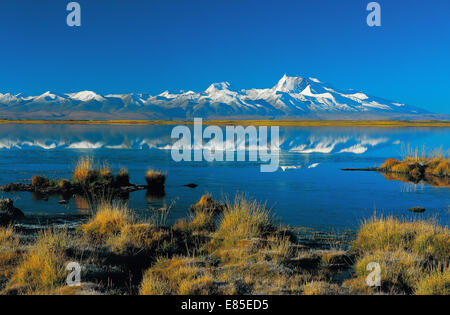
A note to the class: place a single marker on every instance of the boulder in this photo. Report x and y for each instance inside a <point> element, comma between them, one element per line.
<point>9,213</point>
<point>417,209</point>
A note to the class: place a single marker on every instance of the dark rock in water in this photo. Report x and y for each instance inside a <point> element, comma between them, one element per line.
<point>16,187</point>
<point>9,213</point>
<point>417,209</point>
<point>191,185</point>
<point>63,202</point>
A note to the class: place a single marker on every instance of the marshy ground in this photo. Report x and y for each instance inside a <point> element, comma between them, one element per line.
<point>221,247</point>
<point>239,250</point>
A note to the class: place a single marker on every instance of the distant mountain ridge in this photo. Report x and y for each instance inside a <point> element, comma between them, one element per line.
<point>290,98</point>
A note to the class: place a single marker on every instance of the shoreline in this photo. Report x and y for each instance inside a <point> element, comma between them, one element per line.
<point>284,123</point>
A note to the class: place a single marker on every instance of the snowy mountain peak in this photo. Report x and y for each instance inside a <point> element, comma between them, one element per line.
<point>86,96</point>
<point>291,84</point>
<point>291,98</point>
<point>48,97</point>
<point>218,87</point>
<point>8,98</point>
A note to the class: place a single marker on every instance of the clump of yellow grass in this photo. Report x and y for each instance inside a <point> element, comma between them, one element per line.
<point>44,265</point>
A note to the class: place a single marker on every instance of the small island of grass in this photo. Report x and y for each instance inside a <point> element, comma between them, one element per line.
<point>90,179</point>
<point>433,169</point>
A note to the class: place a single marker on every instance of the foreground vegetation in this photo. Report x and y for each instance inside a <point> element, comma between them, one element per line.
<point>413,256</point>
<point>230,248</point>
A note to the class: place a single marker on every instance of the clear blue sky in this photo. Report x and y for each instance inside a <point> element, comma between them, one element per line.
<point>156,45</point>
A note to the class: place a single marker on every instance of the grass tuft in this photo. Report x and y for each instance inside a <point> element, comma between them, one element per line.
<point>243,219</point>
<point>155,179</point>
<point>108,221</point>
<point>408,252</point>
<point>43,266</point>
<point>84,167</point>
<point>178,275</point>
<point>320,288</point>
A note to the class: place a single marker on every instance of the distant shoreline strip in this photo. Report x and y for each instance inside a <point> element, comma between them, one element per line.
<point>287,123</point>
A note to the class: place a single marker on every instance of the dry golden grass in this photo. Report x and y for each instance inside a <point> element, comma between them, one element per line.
<point>320,288</point>
<point>402,168</point>
<point>247,252</point>
<point>178,275</point>
<point>107,222</point>
<point>435,282</point>
<point>358,286</point>
<point>9,250</point>
<point>389,163</point>
<point>184,275</point>
<point>387,234</point>
<point>43,266</point>
<point>135,238</point>
<point>409,254</point>
<point>131,236</point>
<point>198,221</point>
<point>243,219</point>
<point>8,237</point>
<point>334,256</point>
<point>114,225</point>
<point>86,172</point>
<point>280,248</point>
<point>207,204</point>
<point>105,170</point>
<point>418,163</point>
<point>442,169</point>
<point>400,269</point>
<point>85,165</point>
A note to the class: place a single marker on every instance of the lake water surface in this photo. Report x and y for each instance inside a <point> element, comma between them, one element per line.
<point>317,194</point>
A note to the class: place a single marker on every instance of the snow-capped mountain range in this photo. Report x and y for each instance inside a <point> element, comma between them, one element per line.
<point>291,97</point>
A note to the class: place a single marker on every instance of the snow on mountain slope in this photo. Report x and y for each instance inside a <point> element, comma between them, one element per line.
<point>86,96</point>
<point>291,97</point>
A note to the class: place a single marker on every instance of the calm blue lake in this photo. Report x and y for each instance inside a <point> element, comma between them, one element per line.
<point>315,194</point>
